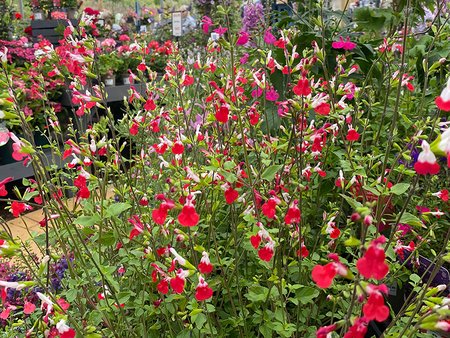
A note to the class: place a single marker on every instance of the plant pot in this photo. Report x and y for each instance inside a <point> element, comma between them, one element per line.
<point>126,79</point>
<point>71,13</point>
<point>38,14</point>
<point>109,80</point>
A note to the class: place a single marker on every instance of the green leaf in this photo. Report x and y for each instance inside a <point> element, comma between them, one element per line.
<point>352,241</point>
<point>353,203</point>
<point>269,173</point>
<point>116,209</point>
<point>410,219</point>
<point>306,294</point>
<point>88,221</point>
<point>400,188</point>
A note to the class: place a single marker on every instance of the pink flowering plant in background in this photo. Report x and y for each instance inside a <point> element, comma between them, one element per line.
<point>268,188</point>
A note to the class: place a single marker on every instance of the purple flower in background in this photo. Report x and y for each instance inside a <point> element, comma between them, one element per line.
<point>253,16</point>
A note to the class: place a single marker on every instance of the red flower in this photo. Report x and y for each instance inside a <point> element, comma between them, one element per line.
<point>375,309</point>
<point>323,275</point>
<point>255,240</point>
<point>443,194</point>
<point>18,208</point>
<point>163,286</point>
<point>303,252</point>
<point>358,329</point>
<point>323,109</point>
<point>18,16</point>
<point>426,162</point>
<point>70,333</point>
<point>159,215</point>
<point>302,88</point>
<point>177,148</point>
<point>443,100</point>
<point>269,208</point>
<point>372,264</point>
<point>134,129</point>
<point>203,291</point>
<point>3,191</point>
<point>325,330</point>
<point>205,265</point>
<point>231,195</point>
<point>142,67</point>
<point>293,215</point>
<point>177,284</point>
<point>149,105</point>
<point>222,114</point>
<point>188,80</point>
<point>352,135</point>
<point>266,253</point>
<point>188,216</point>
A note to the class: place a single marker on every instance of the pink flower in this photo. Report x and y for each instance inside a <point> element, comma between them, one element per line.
<point>243,38</point>
<point>28,308</point>
<point>272,95</point>
<point>341,44</point>
<point>3,191</point>
<point>221,30</point>
<point>206,23</point>
<point>269,38</point>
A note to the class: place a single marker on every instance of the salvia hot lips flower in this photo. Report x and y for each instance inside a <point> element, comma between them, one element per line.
<point>188,216</point>
<point>202,291</point>
<point>323,275</point>
<point>372,264</point>
<point>205,265</point>
<point>426,162</point>
<point>443,100</point>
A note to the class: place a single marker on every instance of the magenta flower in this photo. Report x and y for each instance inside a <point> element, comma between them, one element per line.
<point>269,38</point>
<point>272,95</point>
<point>221,30</point>
<point>243,38</point>
<point>341,44</point>
<point>206,23</point>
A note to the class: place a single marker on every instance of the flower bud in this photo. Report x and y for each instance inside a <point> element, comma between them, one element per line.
<point>355,217</point>
<point>368,220</point>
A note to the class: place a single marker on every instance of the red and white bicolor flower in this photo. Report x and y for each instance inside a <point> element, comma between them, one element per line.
<point>444,144</point>
<point>443,100</point>
<point>205,265</point>
<point>64,330</point>
<point>426,162</point>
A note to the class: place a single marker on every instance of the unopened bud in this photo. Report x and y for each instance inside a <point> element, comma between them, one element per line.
<point>355,217</point>
<point>368,220</point>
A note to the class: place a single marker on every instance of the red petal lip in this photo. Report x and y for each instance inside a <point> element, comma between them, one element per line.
<point>441,104</point>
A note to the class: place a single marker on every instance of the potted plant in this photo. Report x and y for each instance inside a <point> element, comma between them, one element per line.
<point>129,62</point>
<point>108,66</point>
<point>70,6</point>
